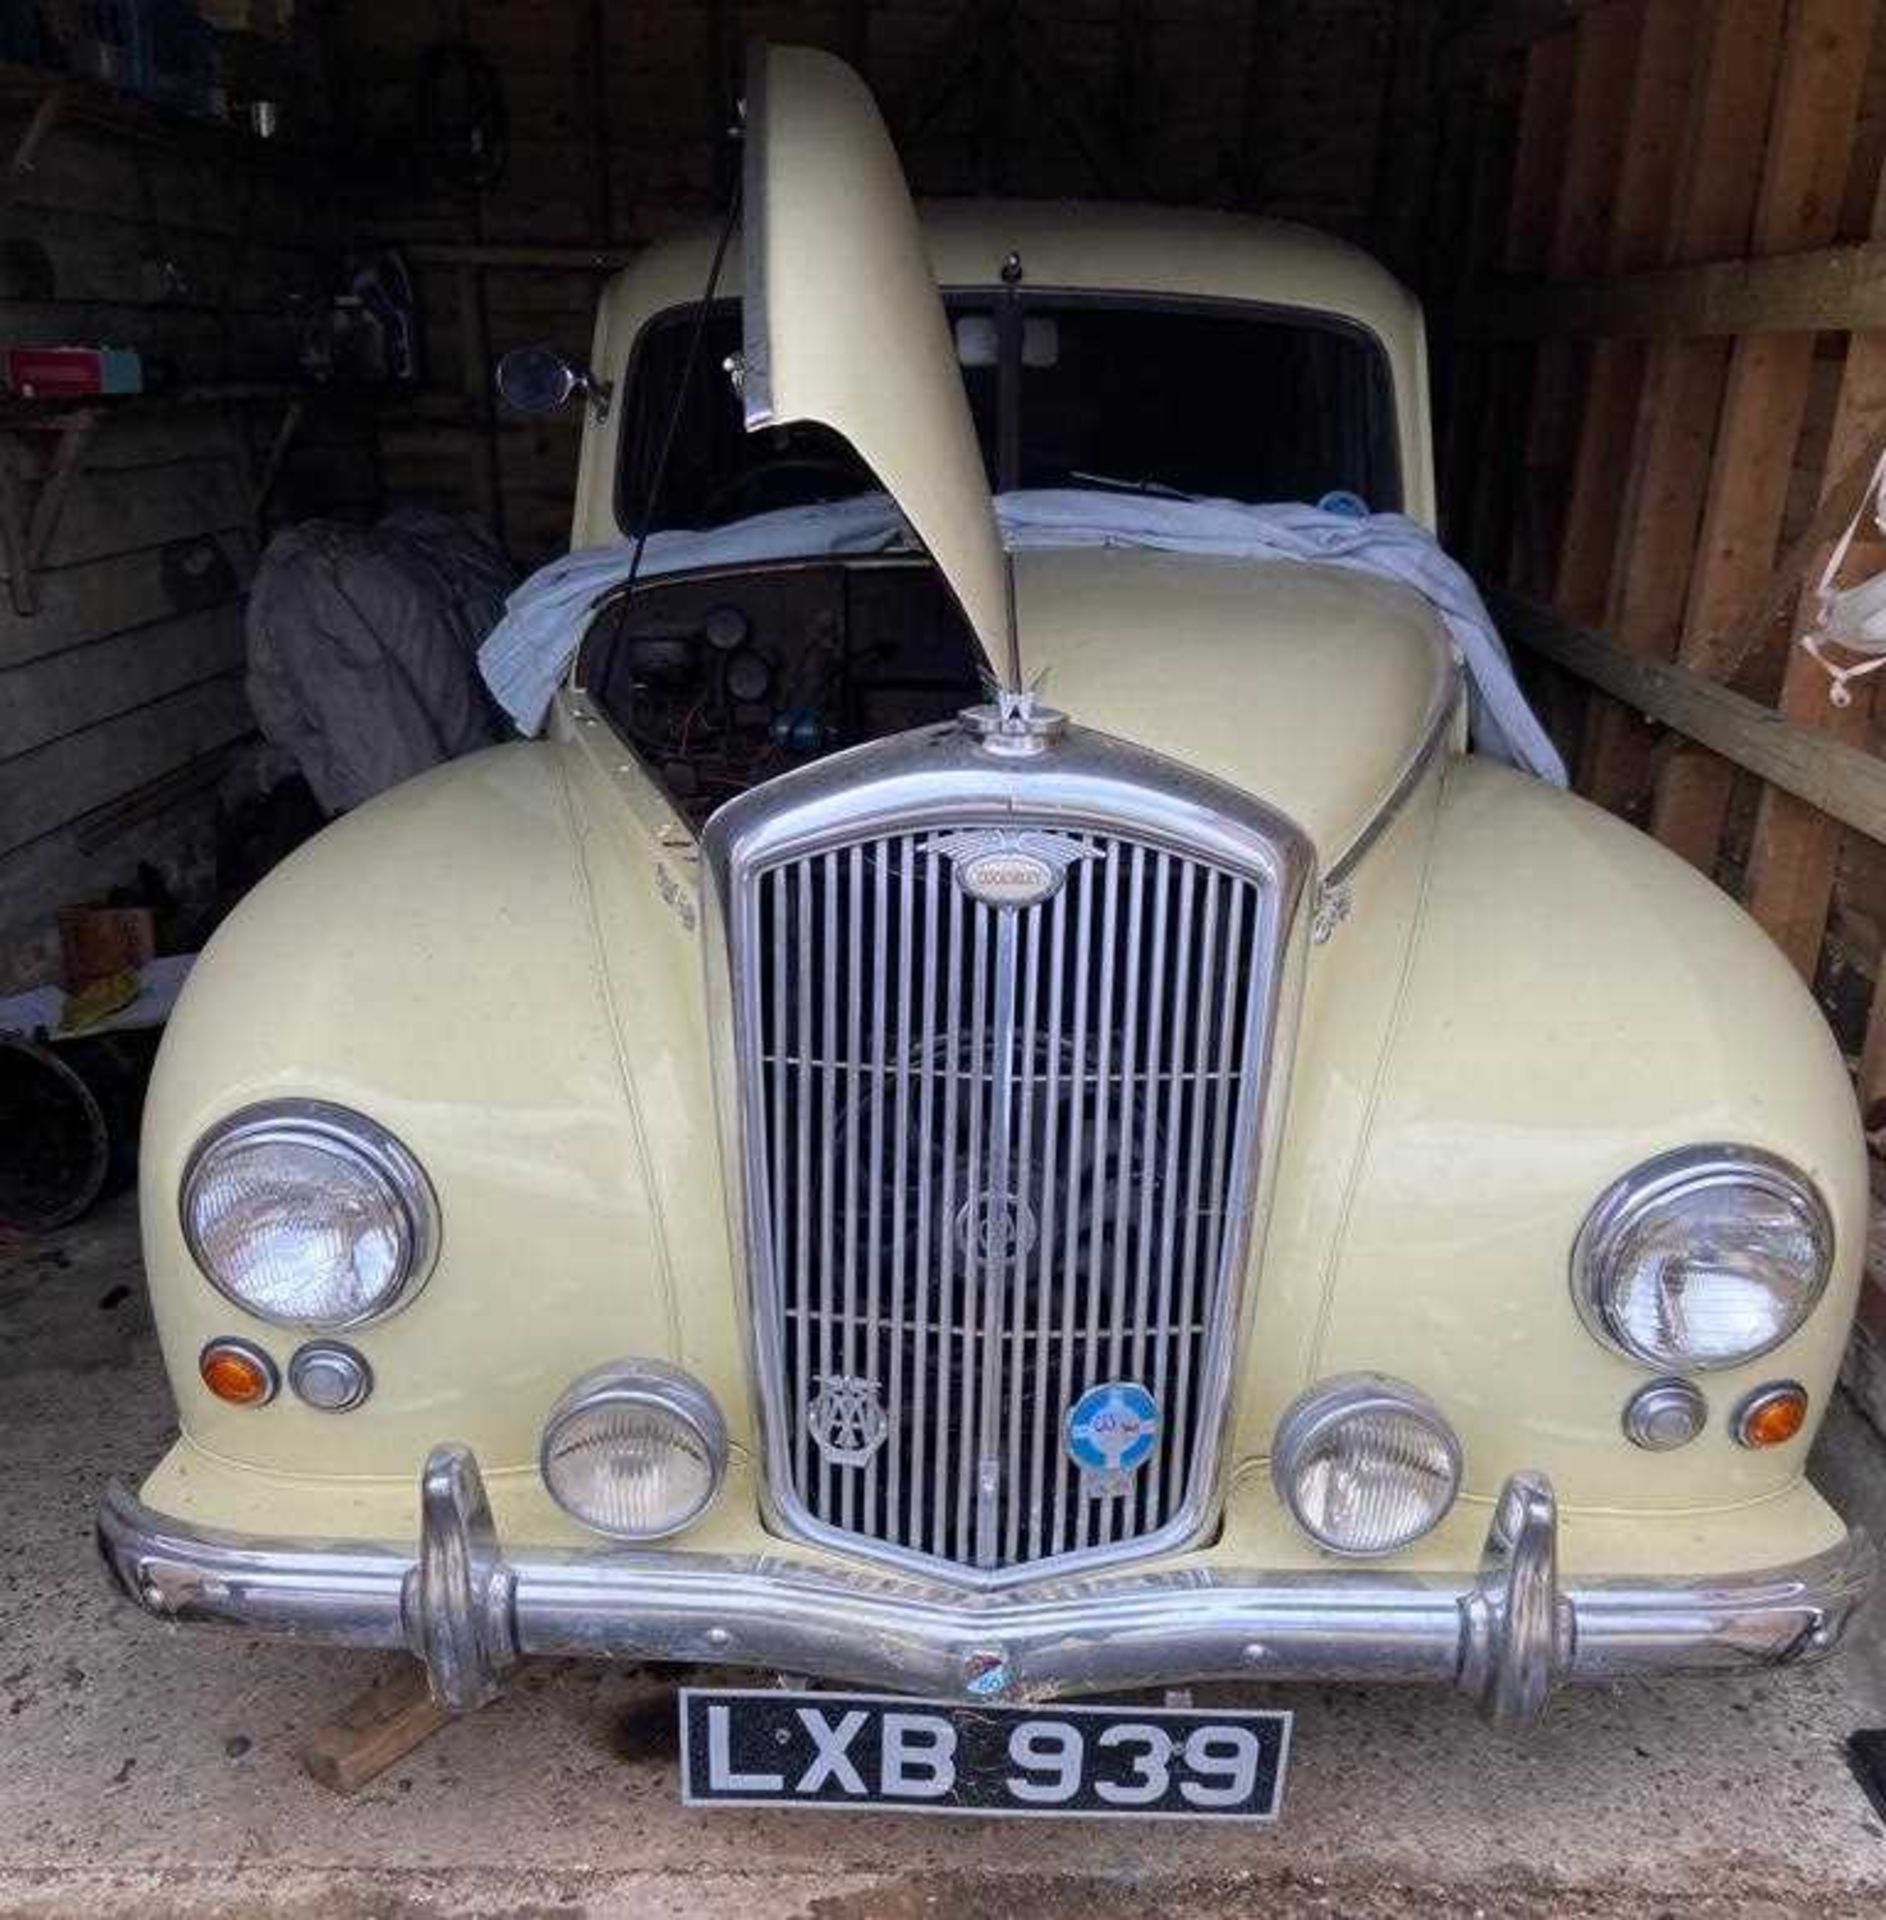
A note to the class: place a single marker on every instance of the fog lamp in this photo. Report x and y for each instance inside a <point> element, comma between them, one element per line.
<point>635,1449</point>
<point>1365,1464</point>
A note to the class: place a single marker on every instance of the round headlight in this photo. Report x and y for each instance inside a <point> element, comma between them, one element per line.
<point>1366,1464</point>
<point>308,1215</point>
<point>635,1449</point>
<point>1702,1258</point>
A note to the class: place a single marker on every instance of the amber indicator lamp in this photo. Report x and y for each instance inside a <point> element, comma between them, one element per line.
<point>1771,1416</point>
<point>238,1373</point>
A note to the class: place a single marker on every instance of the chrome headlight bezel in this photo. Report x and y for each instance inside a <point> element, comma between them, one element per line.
<point>348,1135</point>
<point>642,1383</point>
<point>1332,1403</point>
<point>1657,1182</point>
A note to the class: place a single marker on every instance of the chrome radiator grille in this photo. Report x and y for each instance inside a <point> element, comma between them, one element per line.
<point>997,1157</point>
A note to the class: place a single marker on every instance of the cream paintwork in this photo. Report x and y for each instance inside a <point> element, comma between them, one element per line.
<point>1575,1002</point>
<point>504,963</point>
<point>1339,655</point>
<point>850,332</point>
<point>527,892</point>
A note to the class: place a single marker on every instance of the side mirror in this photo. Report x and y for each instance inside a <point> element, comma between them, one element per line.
<point>540,380</point>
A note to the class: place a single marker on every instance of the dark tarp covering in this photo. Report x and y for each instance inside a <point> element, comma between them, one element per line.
<point>362,645</point>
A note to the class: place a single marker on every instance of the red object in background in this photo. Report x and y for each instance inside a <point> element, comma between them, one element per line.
<point>70,373</point>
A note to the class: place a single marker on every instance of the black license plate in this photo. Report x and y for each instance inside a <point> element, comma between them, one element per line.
<point>759,1747</point>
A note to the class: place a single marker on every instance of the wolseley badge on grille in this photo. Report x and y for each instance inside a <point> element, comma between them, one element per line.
<point>847,1419</point>
<point>1009,867</point>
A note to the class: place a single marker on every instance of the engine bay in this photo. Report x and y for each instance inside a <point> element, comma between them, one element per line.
<point>721,682</point>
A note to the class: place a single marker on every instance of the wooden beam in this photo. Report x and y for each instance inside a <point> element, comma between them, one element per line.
<point>1739,52</point>
<point>1840,780</point>
<point>1816,112</point>
<point>1824,289</point>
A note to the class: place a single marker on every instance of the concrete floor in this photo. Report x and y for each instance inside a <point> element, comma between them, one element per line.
<point>156,1769</point>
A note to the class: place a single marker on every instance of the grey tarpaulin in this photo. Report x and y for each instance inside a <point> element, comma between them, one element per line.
<point>363,645</point>
<point>531,648</point>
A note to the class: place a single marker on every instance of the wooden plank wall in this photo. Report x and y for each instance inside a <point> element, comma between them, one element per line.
<point>1662,485</point>
<point>616,118</point>
<point>121,697</point>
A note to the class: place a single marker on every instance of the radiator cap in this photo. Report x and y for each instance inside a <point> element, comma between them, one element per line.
<point>1013,724</point>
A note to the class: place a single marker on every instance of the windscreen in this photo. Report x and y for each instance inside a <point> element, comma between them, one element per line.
<point>1205,399</point>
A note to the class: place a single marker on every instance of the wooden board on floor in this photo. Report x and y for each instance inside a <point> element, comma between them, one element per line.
<point>374,1731</point>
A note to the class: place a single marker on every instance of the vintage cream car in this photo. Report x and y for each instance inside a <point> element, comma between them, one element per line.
<point>1177,1173</point>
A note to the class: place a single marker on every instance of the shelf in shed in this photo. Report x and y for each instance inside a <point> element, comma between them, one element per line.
<point>27,530</point>
<point>54,99</point>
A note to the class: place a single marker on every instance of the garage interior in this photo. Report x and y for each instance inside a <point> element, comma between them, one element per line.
<point>1651,238</point>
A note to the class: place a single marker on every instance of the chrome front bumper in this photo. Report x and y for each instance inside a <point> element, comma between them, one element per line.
<point>1507,1635</point>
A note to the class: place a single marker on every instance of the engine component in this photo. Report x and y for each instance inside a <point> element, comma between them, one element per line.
<point>725,628</point>
<point>749,677</point>
<point>664,659</point>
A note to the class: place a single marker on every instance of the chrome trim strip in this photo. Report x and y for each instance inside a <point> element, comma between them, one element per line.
<point>1507,1635</point>
<point>1450,691</point>
<point>937,778</point>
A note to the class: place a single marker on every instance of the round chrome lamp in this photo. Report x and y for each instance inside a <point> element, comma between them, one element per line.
<point>307,1214</point>
<point>1365,1464</point>
<point>1702,1258</point>
<point>635,1450</point>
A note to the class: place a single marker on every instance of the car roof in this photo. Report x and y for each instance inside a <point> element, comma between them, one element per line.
<point>1088,245</point>
<point>1081,246</point>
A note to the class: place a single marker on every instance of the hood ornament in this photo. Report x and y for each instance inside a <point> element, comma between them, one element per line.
<point>1013,722</point>
<point>1011,867</point>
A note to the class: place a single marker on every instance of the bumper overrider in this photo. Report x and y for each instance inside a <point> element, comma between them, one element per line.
<point>1507,1635</point>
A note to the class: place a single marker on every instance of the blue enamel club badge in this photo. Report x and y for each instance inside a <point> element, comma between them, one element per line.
<point>1111,1430</point>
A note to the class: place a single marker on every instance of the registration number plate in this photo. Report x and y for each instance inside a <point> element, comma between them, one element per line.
<point>883,1753</point>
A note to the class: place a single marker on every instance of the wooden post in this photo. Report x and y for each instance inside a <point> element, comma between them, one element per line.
<point>1740,47</point>
<point>1495,384</point>
<point>1804,175</point>
<point>1604,61</point>
<point>1545,121</point>
<point>1653,120</point>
